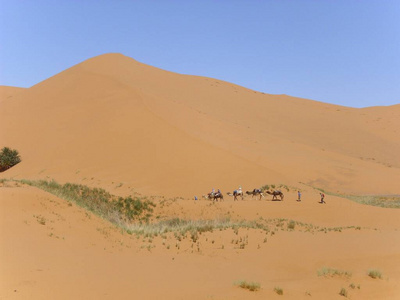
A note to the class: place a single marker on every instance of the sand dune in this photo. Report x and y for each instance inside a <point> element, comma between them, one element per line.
<point>117,120</point>
<point>129,128</point>
<point>52,249</point>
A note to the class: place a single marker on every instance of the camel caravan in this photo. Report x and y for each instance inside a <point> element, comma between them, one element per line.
<point>218,196</point>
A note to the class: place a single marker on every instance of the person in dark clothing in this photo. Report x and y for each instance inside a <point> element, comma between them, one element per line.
<point>322,198</point>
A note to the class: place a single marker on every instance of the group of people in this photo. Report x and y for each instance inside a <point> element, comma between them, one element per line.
<point>240,192</point>
<point>216,193</point>
<point>322,201</point>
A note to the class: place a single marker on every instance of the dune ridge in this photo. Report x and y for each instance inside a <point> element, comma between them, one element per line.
<point>7,92</point>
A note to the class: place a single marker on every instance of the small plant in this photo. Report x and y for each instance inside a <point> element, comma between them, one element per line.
<point>251,286</point>
<point>375,274</point>
<point>41,220</point>
<point>333,272</point>
<point>291,225</point>
<point>343,292</point>
<point>278,290</point>
<point>8,158</point>
<point>265,187</point>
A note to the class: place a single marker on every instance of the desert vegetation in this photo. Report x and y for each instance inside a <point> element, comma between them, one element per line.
<point>386,201</point>
<point>343,292</point>
<point>149,227</point>
<point>330,272</point>
<point>279,186</point>
<point>118,210</point>
<point>135,215</point>
<point>8,158</point>
<point>375,274</point>
<point>278,290</point>
<point>251,286</point>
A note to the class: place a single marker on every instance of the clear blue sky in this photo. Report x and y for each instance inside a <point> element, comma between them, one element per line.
<point>344,52</point>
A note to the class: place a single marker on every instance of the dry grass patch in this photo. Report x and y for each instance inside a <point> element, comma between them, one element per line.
<point>343,292</point>
<point>374,274</point>
<point>278,290</point>
<point>330,272</point>
<point>251,286</point>
<point>117,210</point>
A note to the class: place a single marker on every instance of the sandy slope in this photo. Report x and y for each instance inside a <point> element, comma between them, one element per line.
<point>53,250</point>
<point>113,120</point>
<point>115,123</point>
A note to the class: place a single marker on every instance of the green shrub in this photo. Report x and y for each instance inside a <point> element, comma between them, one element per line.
<point>333,272</point>
<point>265,187</point>
<point>291,225</point>
<point>375,274</point>
<point>8,158</point>
<point>343,292</point>
<point>251,286</point>
<point>278,290</point>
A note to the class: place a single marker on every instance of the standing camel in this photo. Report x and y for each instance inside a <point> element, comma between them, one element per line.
<point>255,192</point>
<point>235,194</point>
<point>214,196</point>
<point>275,195</point>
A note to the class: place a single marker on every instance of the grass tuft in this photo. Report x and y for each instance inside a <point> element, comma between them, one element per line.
<point>278,290</point>
<point>374,274</point>
<point>343,292</point>
<point>251,286</point>
<point>333,272</point>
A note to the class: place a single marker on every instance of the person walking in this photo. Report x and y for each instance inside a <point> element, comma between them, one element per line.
<point>298,196</point>
<point>322,198</point>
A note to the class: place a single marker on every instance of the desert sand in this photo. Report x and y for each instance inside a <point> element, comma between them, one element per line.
<point>129,128</point>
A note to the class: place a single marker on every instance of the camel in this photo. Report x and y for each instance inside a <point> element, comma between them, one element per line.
<point>275,195</point>
<point>235,194</point>
<point>214,196</point>
<point>255,192</point>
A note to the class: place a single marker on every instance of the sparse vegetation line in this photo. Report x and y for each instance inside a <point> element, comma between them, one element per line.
<point>330,272</point>
<point>135,215</point>
<point>386,201</point>
<point>251,286</point>
<point>117,210</point>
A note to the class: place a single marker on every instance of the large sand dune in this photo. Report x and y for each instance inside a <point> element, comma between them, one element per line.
<point>114,119</point>
<point>115,123</point>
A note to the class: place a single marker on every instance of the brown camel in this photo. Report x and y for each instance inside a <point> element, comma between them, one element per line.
<point>275,195</point>
<point>214,196</point>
